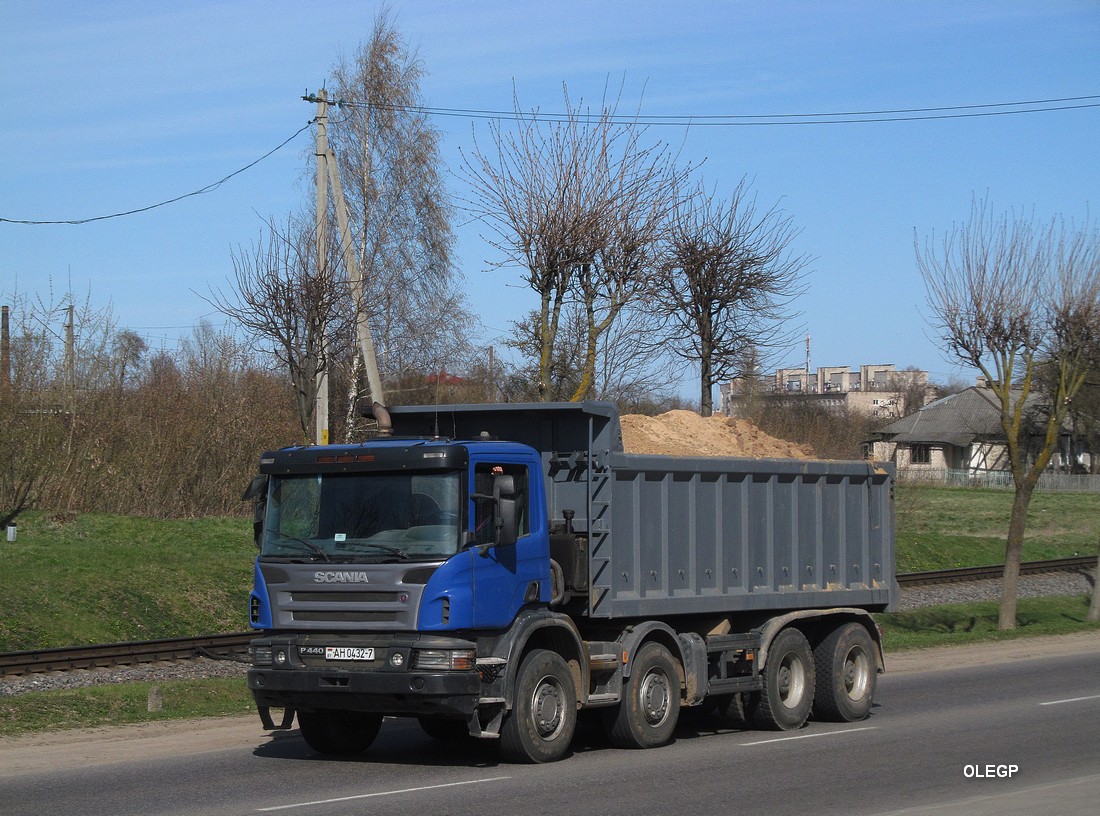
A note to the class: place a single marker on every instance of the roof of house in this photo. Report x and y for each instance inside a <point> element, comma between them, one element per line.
<point>957,419</point>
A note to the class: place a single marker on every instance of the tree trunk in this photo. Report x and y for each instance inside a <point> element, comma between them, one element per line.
<point>706,386</point>
<point>1013,549</point>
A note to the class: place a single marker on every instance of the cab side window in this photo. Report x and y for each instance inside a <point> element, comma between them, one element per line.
<point>484,474</point>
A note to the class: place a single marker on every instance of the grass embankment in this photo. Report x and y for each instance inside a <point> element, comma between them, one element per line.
<point>98,579</point>
<point>72,580</point>
<point>940,528</point>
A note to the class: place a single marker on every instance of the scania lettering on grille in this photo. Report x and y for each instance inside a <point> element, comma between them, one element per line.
<point>347,577</point>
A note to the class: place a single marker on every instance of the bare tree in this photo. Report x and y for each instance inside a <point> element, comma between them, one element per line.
<point>282,298</point>
<point>31,420</point>
<point>1009,296</point>
<point>912,385</point>
<point>726,285</point>
<point>392,175</point>
<point>578,203</point>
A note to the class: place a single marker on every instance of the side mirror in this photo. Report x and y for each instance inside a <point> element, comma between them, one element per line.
<point>504,485</point>
<point>505,522</point>
<point>507,527</point>
<point>257,494</point>
<point>256,489</point>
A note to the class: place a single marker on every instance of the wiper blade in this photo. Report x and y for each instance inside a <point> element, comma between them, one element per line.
<point>316,549</point>
<point>396,552</point>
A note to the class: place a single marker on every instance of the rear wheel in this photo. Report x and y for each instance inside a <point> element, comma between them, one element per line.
<point>729,711</point>
<point>540,725</point>
<point>846,674</point>
<point>788,694</point>
<point>339,732</point>
<point>650,707</point>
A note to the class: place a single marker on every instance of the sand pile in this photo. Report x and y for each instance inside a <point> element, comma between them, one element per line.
<point>685,433</point>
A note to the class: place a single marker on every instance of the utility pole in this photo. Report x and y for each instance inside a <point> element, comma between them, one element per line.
<point>808,364</point>
<point>355,281</point>
<point>5,357</point>
<point>70,358</point>
<point>321,404</point>
<point>328,175</point>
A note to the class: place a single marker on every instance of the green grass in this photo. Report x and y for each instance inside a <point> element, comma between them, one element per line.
<point>122,704</point>
<point>89,578</point>
<point>959,624</point>
<point>940,528</point>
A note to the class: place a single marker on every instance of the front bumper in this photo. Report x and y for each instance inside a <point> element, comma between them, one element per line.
<point>381,687</point>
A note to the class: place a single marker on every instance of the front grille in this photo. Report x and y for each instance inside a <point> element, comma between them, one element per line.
<point>385,603</point>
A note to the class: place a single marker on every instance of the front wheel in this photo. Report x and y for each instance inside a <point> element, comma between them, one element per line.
<point>788,694</point>
<point>339,732</point>
<point>543,718</point>
<point>650,707</point>
<point>847,672</point>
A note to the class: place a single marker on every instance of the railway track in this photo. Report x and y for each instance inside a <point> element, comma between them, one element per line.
<point>963,574</point>
<point>124,654</point>
<point>235,645</point>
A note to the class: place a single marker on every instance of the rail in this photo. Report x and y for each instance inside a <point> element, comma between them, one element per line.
<point>963,574</point>
<point>235,645</point>
<point>123,654</point>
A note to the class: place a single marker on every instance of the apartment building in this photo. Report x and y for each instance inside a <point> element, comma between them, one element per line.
<point>878,389</point>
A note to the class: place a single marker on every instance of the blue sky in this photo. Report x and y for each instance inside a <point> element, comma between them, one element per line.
<point>113,106</point>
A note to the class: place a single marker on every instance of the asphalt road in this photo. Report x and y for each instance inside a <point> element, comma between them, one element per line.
<point>989,737</point>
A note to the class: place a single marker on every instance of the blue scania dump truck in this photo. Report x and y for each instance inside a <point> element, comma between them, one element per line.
<point>490,570</point>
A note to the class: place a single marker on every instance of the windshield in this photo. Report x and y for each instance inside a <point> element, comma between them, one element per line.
<point>362,516</point>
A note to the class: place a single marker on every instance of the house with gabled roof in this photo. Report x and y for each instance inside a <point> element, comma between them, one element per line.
<point>959,432</point>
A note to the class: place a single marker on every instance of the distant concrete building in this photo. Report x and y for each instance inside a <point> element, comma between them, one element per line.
<point>877,390</point>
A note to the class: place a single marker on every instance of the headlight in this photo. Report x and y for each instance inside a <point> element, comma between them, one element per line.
<point>444,659</point>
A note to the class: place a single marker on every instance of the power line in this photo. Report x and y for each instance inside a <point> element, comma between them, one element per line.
<point>675,120</point>
<point>207,189</point>
<point>773,119</point>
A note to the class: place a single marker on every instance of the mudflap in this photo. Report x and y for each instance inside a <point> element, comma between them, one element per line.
<point>269,724</point>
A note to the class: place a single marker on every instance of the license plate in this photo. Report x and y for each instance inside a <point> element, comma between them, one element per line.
<point>348,653</point>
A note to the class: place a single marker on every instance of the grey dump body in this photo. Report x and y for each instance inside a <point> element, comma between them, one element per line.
<point>694,535</point>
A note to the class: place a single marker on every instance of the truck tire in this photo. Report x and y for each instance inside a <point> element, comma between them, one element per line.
<point>846,675</point>
<point>729,711</point>
<point>543,718</point>
<point>339,732</point>
<point>788,694</point>
<point>650,707</point>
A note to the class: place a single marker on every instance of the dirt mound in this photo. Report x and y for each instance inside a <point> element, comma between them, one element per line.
<point>685,433</point>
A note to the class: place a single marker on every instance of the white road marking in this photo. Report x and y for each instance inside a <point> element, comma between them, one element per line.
<point>380,793</point>
<point>810,736</point>
<point>1071,700</point>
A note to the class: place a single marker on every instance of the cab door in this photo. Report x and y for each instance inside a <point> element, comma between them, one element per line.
<point>506,576</point>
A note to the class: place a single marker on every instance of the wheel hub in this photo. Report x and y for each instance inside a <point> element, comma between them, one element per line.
<point>856,674</point>
<point>547,709</point>
<point>655,695</point>
<point>791,679</point>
